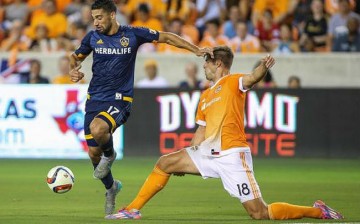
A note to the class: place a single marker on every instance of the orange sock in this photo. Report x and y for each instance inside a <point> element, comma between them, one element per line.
<point>153,184</point>
<point>282,211</point>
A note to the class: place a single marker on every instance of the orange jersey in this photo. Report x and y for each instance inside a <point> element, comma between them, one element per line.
<point>277,7</point>
<point>209,41</point>
<point>250,44</point>
<point>56,24</point>
<point>221,111</point>
<point>152,23</point>
<point>156,7</point>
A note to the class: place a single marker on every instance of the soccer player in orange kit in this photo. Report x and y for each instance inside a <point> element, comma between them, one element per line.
<point>219,148</point>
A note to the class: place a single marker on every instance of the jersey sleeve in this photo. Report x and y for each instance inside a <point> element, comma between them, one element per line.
<point>146,35</point>
<point>239,85</point>
<point>200,116</point>
<point>85,48</point>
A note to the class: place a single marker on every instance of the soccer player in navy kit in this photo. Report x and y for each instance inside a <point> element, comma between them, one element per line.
<point>110,92</point>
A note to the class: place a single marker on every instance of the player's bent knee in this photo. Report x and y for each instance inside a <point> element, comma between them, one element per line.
<point>97,129</point>
<point>163,163</point>
<point>169,163</point>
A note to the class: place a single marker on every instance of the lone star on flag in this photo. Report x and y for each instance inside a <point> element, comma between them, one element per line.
<point>73,119</point>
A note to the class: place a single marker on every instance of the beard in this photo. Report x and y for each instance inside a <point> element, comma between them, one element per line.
<point>106,30</point>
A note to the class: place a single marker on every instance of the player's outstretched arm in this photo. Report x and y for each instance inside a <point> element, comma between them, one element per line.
<point>75,65</point>
<point>177,41</point>
<point>259,72</point>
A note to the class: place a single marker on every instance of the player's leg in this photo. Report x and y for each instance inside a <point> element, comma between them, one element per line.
<point>102,127</point>
<point>177,162</point>
<point>174,163</point>
<point>99,129</point>
<point>258,209</point>
<point>95,152</point>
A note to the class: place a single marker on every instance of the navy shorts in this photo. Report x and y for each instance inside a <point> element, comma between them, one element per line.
<point>114,113</point>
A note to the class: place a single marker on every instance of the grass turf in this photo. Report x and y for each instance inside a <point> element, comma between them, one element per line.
<point>25,197</point>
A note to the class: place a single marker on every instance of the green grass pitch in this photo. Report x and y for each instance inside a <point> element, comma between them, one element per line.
<point>26,198</point>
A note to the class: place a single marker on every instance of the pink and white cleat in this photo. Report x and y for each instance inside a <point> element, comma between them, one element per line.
<point>125,214</point>
<point>327,212</point>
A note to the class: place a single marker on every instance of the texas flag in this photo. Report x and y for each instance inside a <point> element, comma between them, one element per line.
<point>9,72</point>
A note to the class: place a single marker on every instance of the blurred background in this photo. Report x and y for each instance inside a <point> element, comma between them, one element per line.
<point>306,106</point>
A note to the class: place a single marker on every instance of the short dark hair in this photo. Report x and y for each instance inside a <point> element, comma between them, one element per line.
<point>106,5</point>
<point>143,7</point>
<point>35,61</point>
<point>224,54</point>
<point>294,78</point>
<point>215,22</point>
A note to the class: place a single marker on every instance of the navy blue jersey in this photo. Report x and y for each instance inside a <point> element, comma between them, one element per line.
<point>114,60</point>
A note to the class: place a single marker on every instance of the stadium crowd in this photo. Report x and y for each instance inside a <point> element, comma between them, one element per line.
<point>247,26</point>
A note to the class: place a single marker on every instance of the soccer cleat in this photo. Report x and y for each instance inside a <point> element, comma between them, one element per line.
<point>110,196</point>
<point>125,214</point>
<point>327,212</point>
<point>103,168</point>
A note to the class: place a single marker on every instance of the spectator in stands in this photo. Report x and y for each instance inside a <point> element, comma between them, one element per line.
<point>74,7</point>
<point>244,42</point>
<point>152,79</point>
<point>34,75</point>
<point>145,19</point>
<point>213,37</point>
<point>337,24</point>
<point>244,7</point>
<point>121,16</point>
<point>175,26</point>
<point>286,45</point>
<point>315,30</point>
<point>83,18</point>
<point>184,10</point>
<point>350,40</point>
<point>55,22</point>
<point>64,69</point>
<point>209,10</point>
<point>17,10</point>
<point>267,31</point>
<point>36,6</point>
<point>156,8</point>
<point>300,11</point>
<point>41,42</point>
<point>279,9</point>
<point>332,6</point>
<point>229,26</point>
<point>191,82</point>
<point>294,82</point>
<point>78,34</point>
<point>15,40</point>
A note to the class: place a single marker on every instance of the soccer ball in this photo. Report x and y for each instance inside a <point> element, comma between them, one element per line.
<point>60,179</point>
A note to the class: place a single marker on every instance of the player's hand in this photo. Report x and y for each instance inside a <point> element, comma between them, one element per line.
<point>204,51</point>
<point>75,74</point>
<point>268,61</point>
